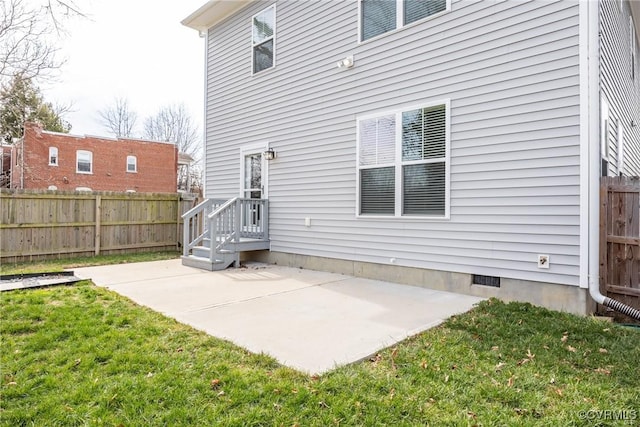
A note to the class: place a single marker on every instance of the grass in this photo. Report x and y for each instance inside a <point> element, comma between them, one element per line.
<point>66,263</point>
<point>82,355</point>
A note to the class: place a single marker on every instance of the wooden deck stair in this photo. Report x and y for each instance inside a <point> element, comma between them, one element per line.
<point>217,231</point>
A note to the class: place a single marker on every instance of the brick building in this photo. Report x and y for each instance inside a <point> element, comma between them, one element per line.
<point>58,161</point>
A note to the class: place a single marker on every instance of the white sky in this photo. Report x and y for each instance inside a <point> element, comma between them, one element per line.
<point>134,49</point>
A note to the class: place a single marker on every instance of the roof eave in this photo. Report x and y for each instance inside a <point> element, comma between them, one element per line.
<point>213,12</point>
<point>635,12</point>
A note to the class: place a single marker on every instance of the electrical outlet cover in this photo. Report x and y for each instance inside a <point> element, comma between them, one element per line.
<point>543,261</point>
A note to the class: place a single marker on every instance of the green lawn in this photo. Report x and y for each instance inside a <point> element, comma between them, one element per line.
<point>82,355</point>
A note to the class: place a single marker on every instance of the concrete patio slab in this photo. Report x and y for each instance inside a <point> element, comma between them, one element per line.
<point>308,320</point>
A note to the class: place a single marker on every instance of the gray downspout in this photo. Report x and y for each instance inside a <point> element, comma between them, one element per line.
<point>594,168</point>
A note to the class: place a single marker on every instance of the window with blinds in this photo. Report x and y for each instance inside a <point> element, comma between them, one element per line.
<point>402,162</point>
<point>84,161</point>
<point>424,145</point>
<point>263,39</point>
<point>381,16</point>
<point>415,10</point>
<point>378,17</point>
<point>377,148</point>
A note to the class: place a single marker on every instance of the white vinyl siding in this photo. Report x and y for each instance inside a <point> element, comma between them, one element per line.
<point>511,71</point>
<point>378,17</point>
<point>620,149</point>
<point>263,39</point>
<point>132,164</point>
<point>620,88</point>
<point>402,160</point>
<point>84,161</point>
<point>605,136</point>
<point>53,156</point>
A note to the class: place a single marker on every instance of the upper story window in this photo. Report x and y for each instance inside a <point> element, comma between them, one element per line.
<point>403,163</point>
<point>381,16</point>
<point>263,39</point>
<point>53,156</point>
<point>84,161</point>
<point>132,164</point>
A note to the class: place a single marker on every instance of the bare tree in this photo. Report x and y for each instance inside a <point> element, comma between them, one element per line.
<point>27,30</point>
<point>173,123</point>
<point>118,118</point>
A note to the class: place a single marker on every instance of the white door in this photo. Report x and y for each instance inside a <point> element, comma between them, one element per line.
<point>253,187</point>
<point>252,183</point>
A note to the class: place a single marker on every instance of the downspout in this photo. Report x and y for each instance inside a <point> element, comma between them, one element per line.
<point>593,30</point>
<point>203,166</point>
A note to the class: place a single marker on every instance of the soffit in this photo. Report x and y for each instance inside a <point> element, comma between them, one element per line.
<point>213,12</point>
<point>635,11</point>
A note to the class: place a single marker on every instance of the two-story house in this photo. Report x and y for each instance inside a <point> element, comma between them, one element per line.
<point>456,145</point>
<point>59,161</point>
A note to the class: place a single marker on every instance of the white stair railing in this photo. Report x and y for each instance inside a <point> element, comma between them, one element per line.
<point>225,223</point>
<point>194,229</point>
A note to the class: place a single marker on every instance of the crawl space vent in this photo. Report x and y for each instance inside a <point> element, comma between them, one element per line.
<point>486,280</point>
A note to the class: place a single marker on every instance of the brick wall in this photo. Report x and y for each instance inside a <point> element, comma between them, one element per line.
<point>157,163</point>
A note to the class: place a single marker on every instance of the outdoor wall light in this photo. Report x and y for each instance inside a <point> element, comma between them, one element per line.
<point>269,154</point>
<point>345,62</point>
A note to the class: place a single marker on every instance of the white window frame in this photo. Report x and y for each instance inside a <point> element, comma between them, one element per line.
<point>88,154</point>
<point>632,47</point>
<point>399,163</point>
<point>135,164</point>
<point>399,20</point>
<point>53,153</point>
<point>275,29</point>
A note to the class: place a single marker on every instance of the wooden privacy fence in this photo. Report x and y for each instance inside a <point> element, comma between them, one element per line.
<point>44,224</point>
<point>620,239</point>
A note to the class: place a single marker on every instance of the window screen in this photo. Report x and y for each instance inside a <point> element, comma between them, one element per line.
<point>378,17</point>
<point>423,189</point>
<point>262,37</point>
<point>424,133</point>
<point>415,181</point>
<point>415,10</point>
<point>377,141</point>
<point>377,191</point>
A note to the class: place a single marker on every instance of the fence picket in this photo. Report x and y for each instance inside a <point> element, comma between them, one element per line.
<point>43,224</point>
<point>620,239</point>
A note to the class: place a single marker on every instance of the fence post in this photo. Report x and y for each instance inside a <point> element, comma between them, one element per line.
<point>98,217</point>
<point>179,216</point>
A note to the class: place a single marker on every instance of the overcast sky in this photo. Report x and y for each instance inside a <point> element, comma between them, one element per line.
<point>134,49</point>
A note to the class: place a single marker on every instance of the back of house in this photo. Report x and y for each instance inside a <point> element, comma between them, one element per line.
<point>446,144</point>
